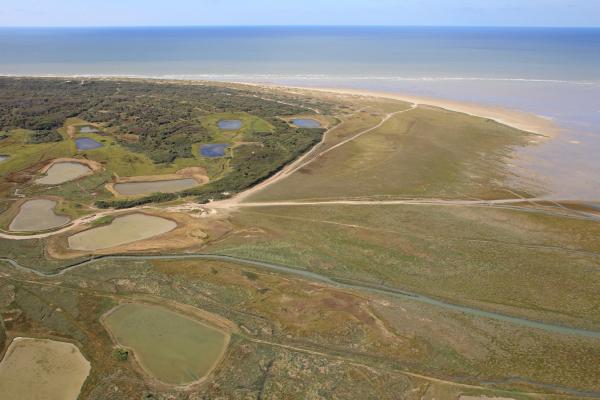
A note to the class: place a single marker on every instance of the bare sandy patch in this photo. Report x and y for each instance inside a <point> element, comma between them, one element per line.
<point>35,369</point>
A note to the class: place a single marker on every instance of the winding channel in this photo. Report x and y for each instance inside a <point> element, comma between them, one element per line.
<point>340,283</point>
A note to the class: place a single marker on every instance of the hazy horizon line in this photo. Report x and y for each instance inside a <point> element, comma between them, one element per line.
<point>293,26</point>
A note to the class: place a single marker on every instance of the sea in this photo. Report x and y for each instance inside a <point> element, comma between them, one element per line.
<point>552,72</point>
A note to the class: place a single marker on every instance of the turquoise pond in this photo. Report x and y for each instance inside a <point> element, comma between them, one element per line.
<point>87,144</point>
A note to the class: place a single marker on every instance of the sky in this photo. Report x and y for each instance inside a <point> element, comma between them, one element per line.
<point>560,13</point>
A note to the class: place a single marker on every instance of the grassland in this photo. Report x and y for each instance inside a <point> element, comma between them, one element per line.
<point>297,339</point>
<point>424,152</point>
<point>513,261</point>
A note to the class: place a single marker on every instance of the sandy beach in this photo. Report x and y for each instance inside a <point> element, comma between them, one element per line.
<point>517,119</point>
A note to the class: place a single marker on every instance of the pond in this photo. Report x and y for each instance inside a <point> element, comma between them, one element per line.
<point>213,150</point>
<point>306,123</point>
<point>88,129</point>
<point>87,144</point>
<point>149,187</point>
<point>42,369</point>
<point>172,347</point>
<point>3,158</point>
<point>63,172</point>
<point>37,215</point>
<point>122,230</point>
<point>229,124</point>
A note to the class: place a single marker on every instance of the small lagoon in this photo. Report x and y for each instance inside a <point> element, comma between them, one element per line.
<point>229,124</point>
<point>122,230</point>
<point>174,348</point>
<point>63,172</point>
<point>213,150</point>
<point>37,215</point>
<point>3,158</point>
<point>306,123</point>
<point>87,144</point>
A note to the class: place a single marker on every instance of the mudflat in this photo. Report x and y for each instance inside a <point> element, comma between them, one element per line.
<point>34,369</point>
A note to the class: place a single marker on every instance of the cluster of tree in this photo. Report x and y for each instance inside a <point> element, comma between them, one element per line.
<point>44,136</point>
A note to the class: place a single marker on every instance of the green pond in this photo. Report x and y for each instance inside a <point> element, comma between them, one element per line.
<point>172,347</point>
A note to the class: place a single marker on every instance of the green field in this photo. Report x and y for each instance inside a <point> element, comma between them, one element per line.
<point>420,153</point>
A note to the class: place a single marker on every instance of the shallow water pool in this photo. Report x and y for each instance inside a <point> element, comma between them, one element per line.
<point>306,123</point>
<point>87,144</point>
<point>213,150</point>
<point>229,124</point>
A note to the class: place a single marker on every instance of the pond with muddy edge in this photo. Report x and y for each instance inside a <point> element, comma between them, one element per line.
<point>37,215</point>
<point>62,172</point>
<point>149,187</point>
<point>122,230</point>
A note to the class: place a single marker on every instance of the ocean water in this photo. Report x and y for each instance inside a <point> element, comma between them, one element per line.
<point>551,72</point>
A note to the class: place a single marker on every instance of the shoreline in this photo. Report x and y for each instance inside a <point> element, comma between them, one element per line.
<point>522,120</point>
<point>517,119</point>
